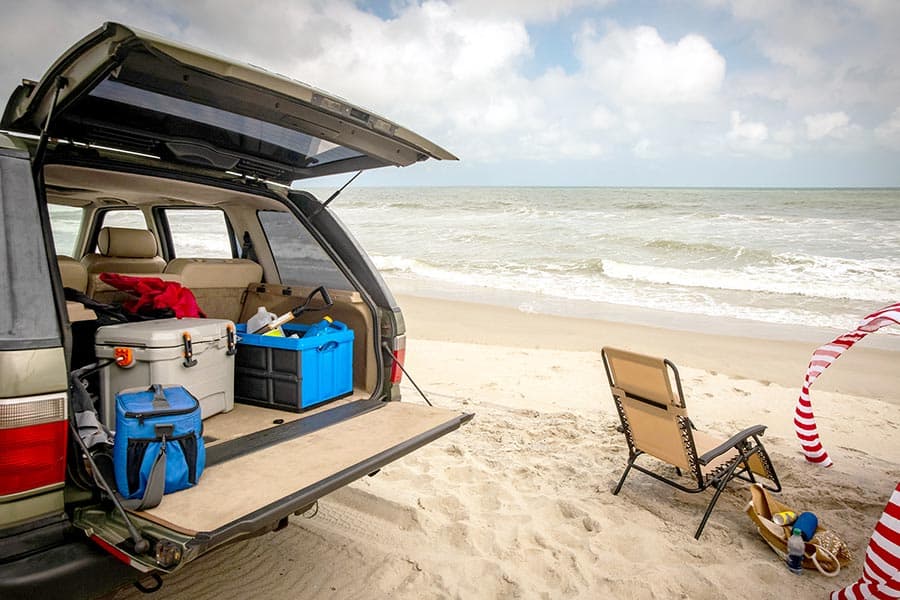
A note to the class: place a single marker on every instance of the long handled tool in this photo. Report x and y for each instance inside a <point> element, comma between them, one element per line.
<point>293,314</point>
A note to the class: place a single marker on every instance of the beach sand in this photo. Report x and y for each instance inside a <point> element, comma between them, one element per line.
<point>518,503</point>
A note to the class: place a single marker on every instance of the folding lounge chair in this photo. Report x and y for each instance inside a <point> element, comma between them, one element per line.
<point>655,422</point>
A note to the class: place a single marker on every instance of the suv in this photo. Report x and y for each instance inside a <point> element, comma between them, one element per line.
<point>138,155</point>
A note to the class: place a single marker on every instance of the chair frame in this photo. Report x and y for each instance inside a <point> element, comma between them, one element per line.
<point>738,467</point>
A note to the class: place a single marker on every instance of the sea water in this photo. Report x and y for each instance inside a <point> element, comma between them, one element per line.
<point>810,257</point>
<point>820,258</point>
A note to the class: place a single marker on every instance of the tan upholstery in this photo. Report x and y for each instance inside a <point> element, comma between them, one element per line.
<point>216,272</point>
<point>125,250</point>
<point>72,273</point>
<point>218,284</point>
<point>78,312</point>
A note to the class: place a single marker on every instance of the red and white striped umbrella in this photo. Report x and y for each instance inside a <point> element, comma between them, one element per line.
<point>804,420</point>
<point>881,570</point>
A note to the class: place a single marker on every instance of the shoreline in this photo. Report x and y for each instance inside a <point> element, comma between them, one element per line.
<point>636,315</point>
<point>755,353</point>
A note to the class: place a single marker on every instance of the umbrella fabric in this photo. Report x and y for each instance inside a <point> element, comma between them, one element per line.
<point>881,569</point>
<point>804,420</point>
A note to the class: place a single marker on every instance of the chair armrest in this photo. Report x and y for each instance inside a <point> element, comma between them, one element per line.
<point>732,442</point>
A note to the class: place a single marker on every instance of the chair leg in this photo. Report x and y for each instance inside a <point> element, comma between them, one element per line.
<point>631,460</point>
<point>720,487</point>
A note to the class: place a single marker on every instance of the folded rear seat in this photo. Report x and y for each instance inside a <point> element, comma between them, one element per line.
<point>218,284</point>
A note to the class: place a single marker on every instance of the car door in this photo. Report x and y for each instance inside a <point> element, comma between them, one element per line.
<point>124,89</point>
<point>33,381</point>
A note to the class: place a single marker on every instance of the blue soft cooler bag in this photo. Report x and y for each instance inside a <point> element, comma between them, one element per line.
<point>158,446</point>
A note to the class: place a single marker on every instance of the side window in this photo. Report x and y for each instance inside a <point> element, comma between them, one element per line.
<point>198,233</point>
<point>298,256</point>
<point>65,221</point>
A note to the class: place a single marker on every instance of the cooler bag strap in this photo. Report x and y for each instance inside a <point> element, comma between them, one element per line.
<point>156,483</point>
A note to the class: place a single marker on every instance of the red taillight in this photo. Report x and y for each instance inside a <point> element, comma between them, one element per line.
<point>396,371</point>
<point>399,354</point>
<point>32,443</point>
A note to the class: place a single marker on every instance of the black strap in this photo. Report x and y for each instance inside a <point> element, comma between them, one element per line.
<point>247,249</point>
<point>109,312</point>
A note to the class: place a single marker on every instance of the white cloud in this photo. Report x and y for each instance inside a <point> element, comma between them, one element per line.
<point>481,79</point>
<point>647,149</point>
<point>888,133</point>
<point>528,10</point>
<point>637,65</point>
<point>747,133</point>
<point>834,124</point>
<point>602,118</point>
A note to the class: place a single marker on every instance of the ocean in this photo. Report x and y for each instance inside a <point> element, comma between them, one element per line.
<point>819,258</point>
<point>691,258</point>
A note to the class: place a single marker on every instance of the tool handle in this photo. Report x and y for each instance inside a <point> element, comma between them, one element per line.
<point>293,314</point>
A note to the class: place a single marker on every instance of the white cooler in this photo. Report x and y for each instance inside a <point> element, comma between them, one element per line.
<point>159,354</point>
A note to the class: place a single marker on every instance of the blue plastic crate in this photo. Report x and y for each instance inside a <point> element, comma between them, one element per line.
<point>291,373</point>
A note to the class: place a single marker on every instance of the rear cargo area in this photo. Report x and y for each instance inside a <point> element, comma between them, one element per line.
<point>286,420</point>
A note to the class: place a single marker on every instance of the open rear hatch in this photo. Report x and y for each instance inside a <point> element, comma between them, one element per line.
<point>129,90</point>
<point>253,481</point>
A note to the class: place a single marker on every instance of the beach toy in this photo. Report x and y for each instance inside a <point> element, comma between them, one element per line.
<point>806,524</point>
<point>785,517</point>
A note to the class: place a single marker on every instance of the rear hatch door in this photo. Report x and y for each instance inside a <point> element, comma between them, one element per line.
<point>125,89</point>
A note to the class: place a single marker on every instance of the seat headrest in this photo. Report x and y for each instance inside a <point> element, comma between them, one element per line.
<point>72,273</point>
<point>126,243</point>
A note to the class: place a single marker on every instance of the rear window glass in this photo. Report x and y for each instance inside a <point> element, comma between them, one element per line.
<point>127,218</point>
<point>317,151</point>
<point>299,257</point>
<point>199,233</point>
<point>65,221</point>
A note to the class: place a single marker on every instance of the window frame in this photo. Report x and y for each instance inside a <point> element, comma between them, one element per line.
<point>167,244</point>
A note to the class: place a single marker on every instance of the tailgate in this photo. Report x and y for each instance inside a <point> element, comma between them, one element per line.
<point>285,469</point>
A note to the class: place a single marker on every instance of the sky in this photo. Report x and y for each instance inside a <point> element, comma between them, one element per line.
<point>743,93</point>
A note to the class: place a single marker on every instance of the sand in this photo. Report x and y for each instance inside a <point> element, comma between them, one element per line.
<point>518,503</point>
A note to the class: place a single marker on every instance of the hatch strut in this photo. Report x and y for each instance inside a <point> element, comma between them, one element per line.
<point>337,193</point>
<point>38,162</point>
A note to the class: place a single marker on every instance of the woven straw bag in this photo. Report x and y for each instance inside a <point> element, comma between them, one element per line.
<point>826,552</point>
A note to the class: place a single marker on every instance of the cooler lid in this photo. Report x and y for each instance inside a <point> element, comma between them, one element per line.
<point>162,333</point>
